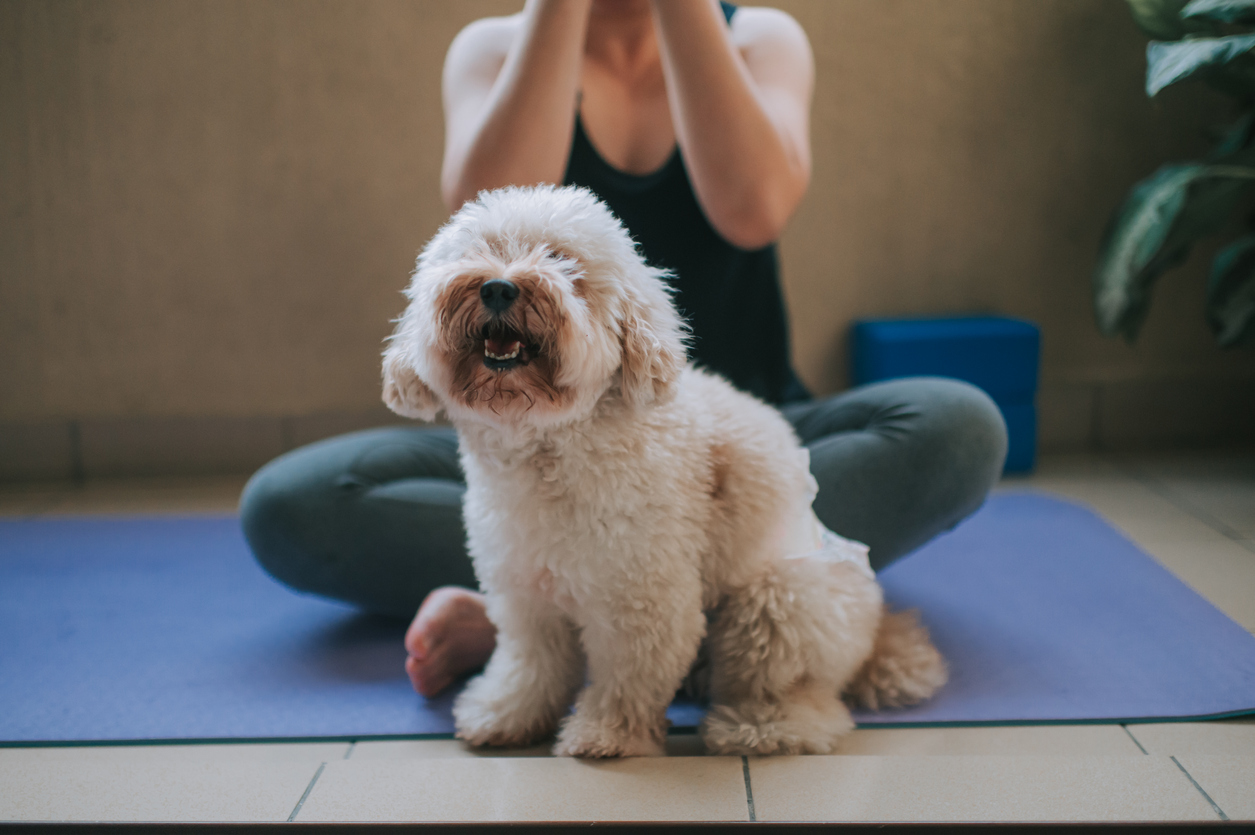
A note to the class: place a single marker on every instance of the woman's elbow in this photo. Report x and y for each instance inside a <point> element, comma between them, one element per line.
<point>462,178</point>
<point>454,190</point>
<point>757,220</point>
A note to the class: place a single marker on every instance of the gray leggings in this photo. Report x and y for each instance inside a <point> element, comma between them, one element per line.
<point>374,518</point>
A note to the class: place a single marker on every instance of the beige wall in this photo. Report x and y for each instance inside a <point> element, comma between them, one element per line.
<point>210,209</point>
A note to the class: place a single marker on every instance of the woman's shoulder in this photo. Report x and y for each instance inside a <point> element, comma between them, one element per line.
<point>486,40</point>
<point>762,25</point>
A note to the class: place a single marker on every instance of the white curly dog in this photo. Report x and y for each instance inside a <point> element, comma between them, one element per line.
<point>622,506</point>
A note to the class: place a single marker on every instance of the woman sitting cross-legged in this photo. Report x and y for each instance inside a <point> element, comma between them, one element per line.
<point>690,121</point>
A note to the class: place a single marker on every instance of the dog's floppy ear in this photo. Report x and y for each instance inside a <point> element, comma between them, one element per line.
<point>653,346</point>
<point>404,392</point>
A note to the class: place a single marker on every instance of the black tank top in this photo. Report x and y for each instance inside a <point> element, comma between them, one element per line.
<point>730,297</point>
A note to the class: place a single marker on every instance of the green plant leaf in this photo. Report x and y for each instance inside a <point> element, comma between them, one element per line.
<point>1220,11</point>
<point>1161,19</point>
<point>1231,293</point>
<point>1221,62</point>
<point>1234,141</point>
<point>1152,231</point>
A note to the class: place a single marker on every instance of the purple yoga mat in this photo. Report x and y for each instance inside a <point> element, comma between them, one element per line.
<point>1048,614</point>
<point>165,629</point>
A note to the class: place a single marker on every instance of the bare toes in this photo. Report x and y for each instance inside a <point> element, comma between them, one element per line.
<point>450,636</point>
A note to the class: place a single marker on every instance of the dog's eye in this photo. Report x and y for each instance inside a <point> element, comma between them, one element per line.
<point>566,262</point>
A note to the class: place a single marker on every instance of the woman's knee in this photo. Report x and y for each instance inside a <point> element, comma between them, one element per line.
<point>291,508</point>
<point>298,490</point>
<point>275,510</point>
<point>965,434</point>
<point>910,458</point>
<point>370,518</point>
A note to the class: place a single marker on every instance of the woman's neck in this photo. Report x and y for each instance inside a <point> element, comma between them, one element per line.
<point>621,38</point>
<point>624,109</point>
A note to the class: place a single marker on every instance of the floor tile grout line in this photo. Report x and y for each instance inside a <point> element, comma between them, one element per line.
<point>1135,740</point>
<point>296,811</point>
<point>349,752</point>
<point>749,792</point>
<point>1205,795</point>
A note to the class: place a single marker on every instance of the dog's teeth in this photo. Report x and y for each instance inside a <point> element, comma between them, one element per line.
<point>508,356</point>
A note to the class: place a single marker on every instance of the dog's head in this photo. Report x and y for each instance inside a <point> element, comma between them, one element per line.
<point>529,306</point>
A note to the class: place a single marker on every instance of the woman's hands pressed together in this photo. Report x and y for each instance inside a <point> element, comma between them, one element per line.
<point>644,77</point>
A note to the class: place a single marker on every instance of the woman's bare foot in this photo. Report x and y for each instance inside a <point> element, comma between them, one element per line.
<point>450,636</point>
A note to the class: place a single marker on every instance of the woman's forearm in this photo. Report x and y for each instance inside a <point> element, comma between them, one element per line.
<point>516,128</point>
<point>743,138</point>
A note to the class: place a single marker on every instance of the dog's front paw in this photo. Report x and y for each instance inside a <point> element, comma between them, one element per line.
<point>805,728</point>
<point>584,737</point>
<point>481,719</point>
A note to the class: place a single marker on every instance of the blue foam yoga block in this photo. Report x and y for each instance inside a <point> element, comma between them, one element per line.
<point>997,353</point>
<point>1021,419</point>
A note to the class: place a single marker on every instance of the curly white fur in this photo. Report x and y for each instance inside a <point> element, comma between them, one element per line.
<point>622,507</point>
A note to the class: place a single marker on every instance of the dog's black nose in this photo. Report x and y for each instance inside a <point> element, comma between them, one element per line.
<point>498,294</point>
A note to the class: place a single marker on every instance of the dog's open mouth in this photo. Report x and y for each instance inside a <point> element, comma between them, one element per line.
<point>504,348</point>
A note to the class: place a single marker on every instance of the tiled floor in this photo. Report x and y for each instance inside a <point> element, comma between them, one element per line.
<point>1195,513</point>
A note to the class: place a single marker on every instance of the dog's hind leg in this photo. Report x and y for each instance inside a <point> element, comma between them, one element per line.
<point>904,667</point>
<point>530,680</point>
<point>781,647</point>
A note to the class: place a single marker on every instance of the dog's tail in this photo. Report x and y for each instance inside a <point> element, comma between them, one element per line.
<point>904,666</point>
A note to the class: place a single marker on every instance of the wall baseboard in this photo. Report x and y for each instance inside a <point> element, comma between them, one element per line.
<point>62,450</point>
